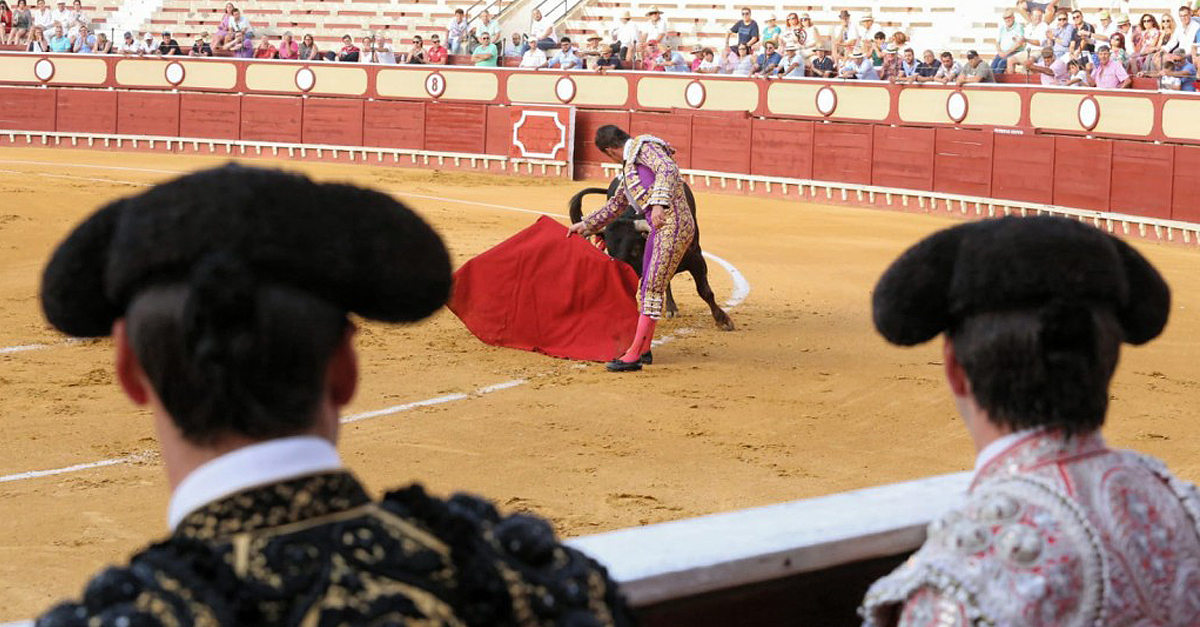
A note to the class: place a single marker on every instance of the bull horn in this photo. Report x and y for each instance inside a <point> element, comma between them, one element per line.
<point>641,226</point>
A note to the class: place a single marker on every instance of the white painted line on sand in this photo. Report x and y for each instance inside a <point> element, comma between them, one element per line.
<point>33,474</point>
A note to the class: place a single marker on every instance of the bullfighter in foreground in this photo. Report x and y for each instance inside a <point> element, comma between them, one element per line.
<point>1057,528</point>
<point>229,320</point>
<point>652,185</point>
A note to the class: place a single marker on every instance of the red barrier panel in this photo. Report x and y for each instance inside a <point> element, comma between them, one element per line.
<point>499,139</point>
<point>781,148</point>
<point>674,127</point>
<point>27,109</point>
<point>272,119</point>
<point>963,162</point>
<point>1186,197</point>
<point>389,124</point>
<point>453,127</point>
<point>1023,168</point>
<point>1141,179</point>
<point>842,153</point>
<point>87,111</point>
<point>210,116</point>
<point>148,113</point>
<point>1082,170</point>
<point>903,157</point>
<point>721,143</point>
<point>337,122</point>
<point>586,123</point>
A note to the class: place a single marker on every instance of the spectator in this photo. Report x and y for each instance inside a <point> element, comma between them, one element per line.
<point>240,40</point>
<point>792,64</point>
<point>1179,69</point>
<point>845,36</point>
<point>746,30</point>
<point>908,66</point>
<point>1189,23</point>
<point>486,25</point>
<point>1119,49</point>
<point>6,21</point>
<point>384,53</point>
<point>1109,73</point>
<point>59,42</point>
<point>792,33</point>
<point>899,39</point>
<point>486,54</point>
<point>76,17</point>
<point>860,67</point>
<point>1037,33</point>
<point>1063,33</point>
<point>771,32</point>
<point>22,24</point>
<point>225,27</point>
<point>103,45</point>
<point>708,62</point>
<point>650,55</point>
<point>416,51</point>
<point>367,50</point>
<point>625,34</point>
<point>534,58</point>
<point>148,45</point>
<point>1010,43</point>
<point>349,52</point>
<point>1149,44</point>
<point>767,62</point>
<point>265,49</point>
<point>289,50</point>
<point>200,48</point>
<point>697,57</point>
<point>1053,71</point>
<point>129,45</point>
<point>168,46</point>
<point>928,66</point>
<point>823,65</point>
<point>744,64</point>
<point>672,60</point>
<point>84,42</point>
<point>43,16</point>
<point>515,47</point>
<point>565,58</point>
<point>866,27</point>
<point>1105,27</point>
<point>437,53</point>
<point>975,71</point>
<point>1084,34</point>
<point>456,32</point>
<point>949,70</point>
<point>593,51</point>
<point>1126,32</point>
<point>656,26</point>
<point>37,41</point>
<point>890,69</point>
<point>811,35</point>
<point>61,16</point>
<point>541,31</point>
<point>610,60</point>
<point>308,50</point>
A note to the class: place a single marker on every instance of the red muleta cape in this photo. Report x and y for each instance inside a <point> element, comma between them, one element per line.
<point>542,291</point>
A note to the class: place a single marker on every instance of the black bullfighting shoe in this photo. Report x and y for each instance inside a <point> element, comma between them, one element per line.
<point>617,365</point>
<point>647,358</point>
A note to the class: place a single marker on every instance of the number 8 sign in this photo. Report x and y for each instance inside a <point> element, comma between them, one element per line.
<point>435,84</point>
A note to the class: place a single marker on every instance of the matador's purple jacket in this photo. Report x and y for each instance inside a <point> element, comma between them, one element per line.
<point>650,176</point>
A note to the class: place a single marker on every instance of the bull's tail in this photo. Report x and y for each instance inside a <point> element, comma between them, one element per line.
<point>575,207</point>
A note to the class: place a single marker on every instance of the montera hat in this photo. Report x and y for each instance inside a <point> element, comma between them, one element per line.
<point>358,249</point>
<point>1017,263</point>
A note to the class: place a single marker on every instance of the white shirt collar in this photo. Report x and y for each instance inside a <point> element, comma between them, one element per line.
<point>998,446</point>
<point>250,466</point>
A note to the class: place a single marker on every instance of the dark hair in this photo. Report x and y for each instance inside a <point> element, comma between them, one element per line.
<point>947,55</point>
<point>610,136</point>
<point>1043,367</point>
<point>227,356</point>
<point>564,40</point>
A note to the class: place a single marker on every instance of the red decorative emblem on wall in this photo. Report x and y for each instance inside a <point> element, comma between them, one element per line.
<point>541,134</point>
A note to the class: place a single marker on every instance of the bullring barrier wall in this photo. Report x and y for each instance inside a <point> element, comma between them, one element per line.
<point>1122,158</point>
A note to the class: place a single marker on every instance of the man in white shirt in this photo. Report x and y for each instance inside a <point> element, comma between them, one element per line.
<point>129,46</point>
<point>484,24</point>
<point>541,31</point>
<point>230,325</point>
<point>655,28</point>
<point>534,58</point>
<point>1010,43</point>
<point>624,32</point>
<point>456,32</point>
<point>63,17</point>
<point>43,16</point>
<point>792,65</point>
<point>514,47</point>
<point>1188,30</point>
<point>384,52</point>
<point>1105,27</point>
<point>1037,34</point>
<point>565,58</point>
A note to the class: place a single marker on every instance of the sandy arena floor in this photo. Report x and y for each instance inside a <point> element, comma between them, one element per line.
<point>803,399</point>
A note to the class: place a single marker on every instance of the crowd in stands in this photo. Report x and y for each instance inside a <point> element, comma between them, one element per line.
<point>1061,46</point>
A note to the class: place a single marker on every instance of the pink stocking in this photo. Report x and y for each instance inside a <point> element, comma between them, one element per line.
<point>641,340</point>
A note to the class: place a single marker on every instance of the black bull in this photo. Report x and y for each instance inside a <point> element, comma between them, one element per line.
<point>624,241</point>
